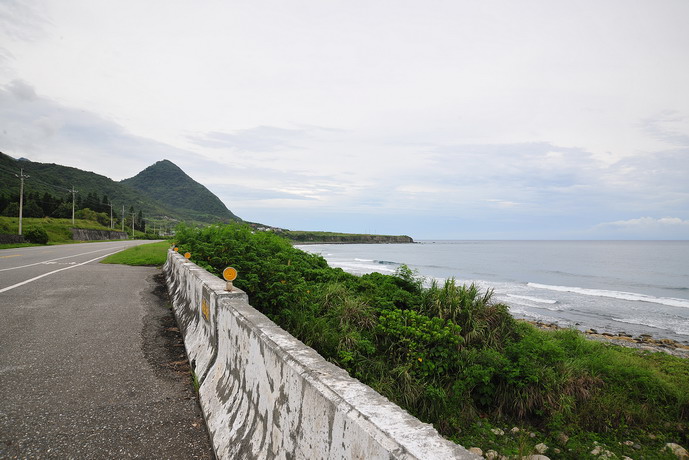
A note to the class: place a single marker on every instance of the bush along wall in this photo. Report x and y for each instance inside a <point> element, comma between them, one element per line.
<point>452,357</point>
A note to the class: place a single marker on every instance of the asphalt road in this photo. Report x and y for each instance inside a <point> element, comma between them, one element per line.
<point>91,364</point>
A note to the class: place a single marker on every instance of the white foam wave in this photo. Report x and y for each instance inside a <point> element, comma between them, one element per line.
<point>532,299</point>
<point>359,268</point>
<point>511,301</point>
<point>530,315</point>
<point>676,327</point>
<point>615,295</point>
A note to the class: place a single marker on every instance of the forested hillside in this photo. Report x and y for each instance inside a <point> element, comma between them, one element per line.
<point>167,183</point>
<point>171,196</point>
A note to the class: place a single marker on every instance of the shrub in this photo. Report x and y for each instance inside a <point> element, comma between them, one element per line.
<point>36,235</point>
<point>447,353</point>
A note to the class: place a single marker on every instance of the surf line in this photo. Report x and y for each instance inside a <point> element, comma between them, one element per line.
<point>53,272</point>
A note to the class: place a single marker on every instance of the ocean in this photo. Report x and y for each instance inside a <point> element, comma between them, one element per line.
<point>636,287</point>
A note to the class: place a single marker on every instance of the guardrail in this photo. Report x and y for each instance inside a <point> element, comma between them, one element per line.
<point>266,395</point>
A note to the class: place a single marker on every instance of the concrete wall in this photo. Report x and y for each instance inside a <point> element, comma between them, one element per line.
<point>6,238</point>
<point>82,234</point>
<point>266,395</point>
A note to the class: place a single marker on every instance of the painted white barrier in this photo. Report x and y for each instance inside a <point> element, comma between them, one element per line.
<point>266,395</point>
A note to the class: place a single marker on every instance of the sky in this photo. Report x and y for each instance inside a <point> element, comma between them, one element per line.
<point>438,119</point>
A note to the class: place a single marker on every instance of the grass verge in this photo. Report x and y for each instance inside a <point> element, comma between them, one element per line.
<point>145,254</point>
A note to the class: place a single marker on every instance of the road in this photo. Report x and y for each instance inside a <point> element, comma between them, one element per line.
<point>90,361</point>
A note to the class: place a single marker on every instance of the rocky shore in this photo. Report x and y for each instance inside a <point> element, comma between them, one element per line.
<point>642,342</point>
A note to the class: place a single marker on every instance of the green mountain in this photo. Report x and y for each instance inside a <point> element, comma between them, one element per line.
<point>167,183</point>
<point>163,192</point>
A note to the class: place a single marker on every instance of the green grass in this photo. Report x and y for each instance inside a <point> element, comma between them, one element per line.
<point>58,230</point>
<point>145,254</point>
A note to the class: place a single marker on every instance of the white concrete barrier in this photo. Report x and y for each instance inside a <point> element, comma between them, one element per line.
<point>266,395</point>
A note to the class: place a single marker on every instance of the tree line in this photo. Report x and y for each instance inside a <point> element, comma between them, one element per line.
<point>90,206</point>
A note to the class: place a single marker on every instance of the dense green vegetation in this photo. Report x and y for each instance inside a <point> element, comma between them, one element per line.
<point>334,237</point>
<point>163,193</point>
<point>57,230</point>
<point>452,357</point>
<point>144,254</point>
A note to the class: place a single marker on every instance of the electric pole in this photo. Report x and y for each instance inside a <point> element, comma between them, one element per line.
<point>110,203</point>
<point>21,177</point>
<point>123,218</point>
<point>74,194</point>
<point>133,224</point>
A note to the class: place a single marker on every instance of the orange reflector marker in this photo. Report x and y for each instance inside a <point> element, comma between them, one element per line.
<point>230,274</point>
<point>187,255</point>
<point>176,249</point>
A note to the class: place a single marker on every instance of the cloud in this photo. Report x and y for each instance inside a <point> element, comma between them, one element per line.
<point>643,227</point>
<point>22,19</point>
<point>41,129</point>
<point>22,90</point>
<point>258,139</point>
<point>669,126</point>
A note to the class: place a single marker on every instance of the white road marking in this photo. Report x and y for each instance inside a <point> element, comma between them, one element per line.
<point>54,271</point>
<point>45,262</point>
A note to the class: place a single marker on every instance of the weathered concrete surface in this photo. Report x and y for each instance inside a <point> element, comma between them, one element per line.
<point>87,369</point>
<point>82,234</point>
<point>266,395</point>
<point>6,238</point>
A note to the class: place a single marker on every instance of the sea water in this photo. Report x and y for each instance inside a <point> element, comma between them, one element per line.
<point>636,287</point>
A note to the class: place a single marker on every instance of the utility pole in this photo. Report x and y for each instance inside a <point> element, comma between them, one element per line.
<point>123,218</point>
<point>21,177</point>
<point>111,226</point>
<point>133,224</point>
<point>74,194</point>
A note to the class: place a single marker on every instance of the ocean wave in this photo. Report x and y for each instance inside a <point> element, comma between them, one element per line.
<point>512,301</point>
<point>360,268</point>
<point>676,327</point>
<point>530,315</point>
<point>532,299</point>
<point>386,262</point>
<point>683,303</point>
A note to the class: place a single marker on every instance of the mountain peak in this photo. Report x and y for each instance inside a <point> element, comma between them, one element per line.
<point>168,183</point>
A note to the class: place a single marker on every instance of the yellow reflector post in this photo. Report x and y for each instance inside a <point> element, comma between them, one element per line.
<point>230,274</point>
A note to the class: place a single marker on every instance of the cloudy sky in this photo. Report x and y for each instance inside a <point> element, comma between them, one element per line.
<point>437,119</point>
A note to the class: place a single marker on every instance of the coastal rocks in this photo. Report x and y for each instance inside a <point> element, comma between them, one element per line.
<point>644,342</point>
<point>679,451</point>
<point>492,455</point>
<point>541,448</point>
<point>476,450</point>
<point>602,453</point>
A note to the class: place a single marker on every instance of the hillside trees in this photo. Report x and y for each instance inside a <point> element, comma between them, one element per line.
<point>91,206</point>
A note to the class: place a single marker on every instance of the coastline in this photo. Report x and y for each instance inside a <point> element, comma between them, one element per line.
<point>644,342</point>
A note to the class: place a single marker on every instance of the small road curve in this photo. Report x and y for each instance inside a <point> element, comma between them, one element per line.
<point>91,365</point>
